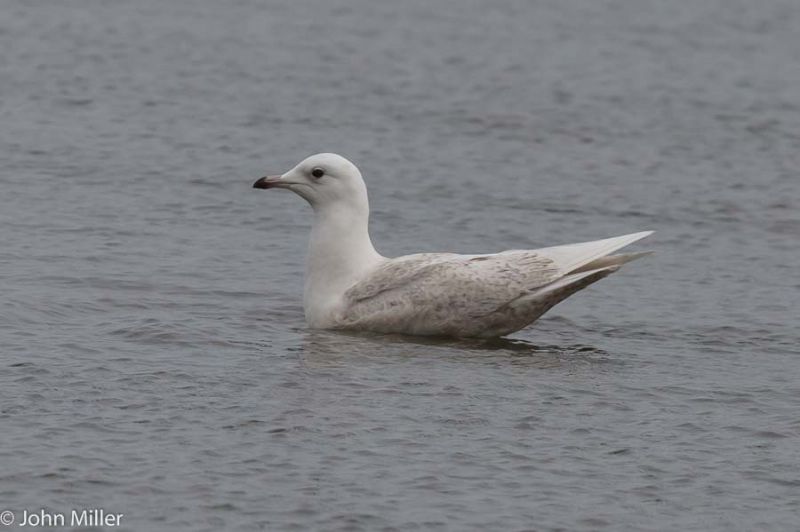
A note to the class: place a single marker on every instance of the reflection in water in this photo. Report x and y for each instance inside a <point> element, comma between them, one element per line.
<point>327,348</point>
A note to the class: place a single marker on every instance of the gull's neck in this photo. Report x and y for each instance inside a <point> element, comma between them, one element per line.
<point>340,252</point>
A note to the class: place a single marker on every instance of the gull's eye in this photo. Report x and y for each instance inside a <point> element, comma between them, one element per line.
<point>318,172</point>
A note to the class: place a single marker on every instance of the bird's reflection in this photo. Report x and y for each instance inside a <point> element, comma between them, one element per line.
<point>333,348</point>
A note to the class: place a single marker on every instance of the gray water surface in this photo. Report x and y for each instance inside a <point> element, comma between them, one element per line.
<point>154,357</point>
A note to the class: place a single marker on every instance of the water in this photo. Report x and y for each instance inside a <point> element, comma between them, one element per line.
<point>155,362</point>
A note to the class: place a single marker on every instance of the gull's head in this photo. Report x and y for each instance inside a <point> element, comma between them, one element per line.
<point>324,179</point>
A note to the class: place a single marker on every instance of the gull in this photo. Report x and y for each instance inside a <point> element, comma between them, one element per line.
<point>350,286</point>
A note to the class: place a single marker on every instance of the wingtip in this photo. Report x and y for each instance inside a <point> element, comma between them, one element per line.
<point>576,257</point>
<point>635,237</point>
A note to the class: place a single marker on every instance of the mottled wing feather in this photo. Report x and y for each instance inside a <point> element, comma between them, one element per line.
<point>444,290</point>
<point>395,274</point>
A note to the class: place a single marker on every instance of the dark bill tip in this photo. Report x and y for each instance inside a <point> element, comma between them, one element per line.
<point>263,182</point>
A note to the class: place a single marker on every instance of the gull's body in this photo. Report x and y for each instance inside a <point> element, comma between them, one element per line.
<point>351,286</point>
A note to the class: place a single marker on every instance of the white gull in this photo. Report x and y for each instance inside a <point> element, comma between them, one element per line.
<point>350,286</point>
